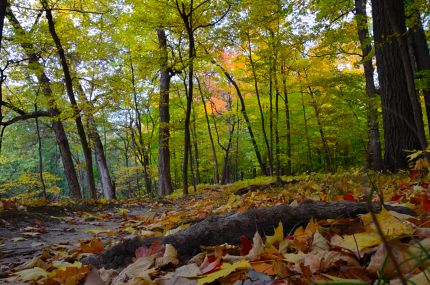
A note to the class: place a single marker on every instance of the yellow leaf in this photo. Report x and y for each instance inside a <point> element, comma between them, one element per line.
<point>357,242</point>
<point>32,274</point>
<point>392,226</point>
<point>277,237</point>
<point>225,270</point>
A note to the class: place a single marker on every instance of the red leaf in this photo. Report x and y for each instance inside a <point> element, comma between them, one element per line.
<point>426,203</point>
<point>349,197</point>
<point>246,245</point>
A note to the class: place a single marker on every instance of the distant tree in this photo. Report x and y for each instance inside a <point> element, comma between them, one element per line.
<point>164,176</point>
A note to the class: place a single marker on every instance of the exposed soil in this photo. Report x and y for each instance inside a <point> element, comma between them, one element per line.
<point>24,234</point>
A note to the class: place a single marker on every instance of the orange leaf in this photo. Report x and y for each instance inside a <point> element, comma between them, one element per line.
<point>94,246</point>
<point>263,267</point>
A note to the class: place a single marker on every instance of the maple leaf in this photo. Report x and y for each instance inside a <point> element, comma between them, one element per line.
<point>391,225</point>
<point>277,237</point>
<point>93,246</point>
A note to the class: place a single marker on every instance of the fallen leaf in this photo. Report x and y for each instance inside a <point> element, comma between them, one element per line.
<point>189,270</point>
<point>133,270</point>
<point>303,237</point>
<point>356,243</point>
<point>224,271</point>
<point>391,226</point>
<point>277,237</point>
<point>32,274</point>
<point>170,256</point>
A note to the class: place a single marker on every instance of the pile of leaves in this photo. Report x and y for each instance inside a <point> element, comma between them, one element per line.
<point>325,251</point>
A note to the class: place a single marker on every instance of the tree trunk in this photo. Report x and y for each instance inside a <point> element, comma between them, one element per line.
<point>164,176</point>
<point>70,93</point>
<point>257,92</point>
<point>326,150</point>
<point>228,228</point>
<point>287,119</point>
<point>374,155</point>
<point>101,162</point>
<point>422,55</point>
<point>3,5</point>
<point>196,149</point>
<point>214,156</point>
<point>306,123</point>
<point>400,130</point>
<point>396,15</point>
<point>57,126</point>
<point>39,151</point>
<point>245,116</point>
<point>140,147</point>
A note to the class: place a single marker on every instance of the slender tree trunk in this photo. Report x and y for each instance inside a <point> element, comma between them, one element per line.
<point>214,156</point>
<point>306,123</point>
<point>237,142</point>
<point>326,150</point>
<point>271,116</point>
<point>101,162</point>
<point>187,137</point>
<point>164,176</point>
<point>245,116</point>
<point>374,155</point>
<point>193,176</point>
<point>287,119</point>
<point>400,130</point>
<point>140,147</point>
<point>3,5</point>
<point>196,149</point>
<point>57,126</point>
<point>70,93</point>
<point>421,54</point>
<point>257,92</point>
<point>39,151</point>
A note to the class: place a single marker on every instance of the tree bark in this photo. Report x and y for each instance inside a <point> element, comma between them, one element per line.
<point>308,143</point>
<point>70,93</point>
<point>374,154</point>
<point>396,15</point>
<point>245,116</point>
<point>57,126</point>
<point>39,151</point>
<point>3,5</point>
<point>287,119</point>
<point>400,130</point>
<point>164,176</point>
<point>101,162</point>
<point>214,156</point>
<point>257,92</point>
<point>422,55</point>
<point>326,149</point>
<point>140,146</point>
<point>228,228</point>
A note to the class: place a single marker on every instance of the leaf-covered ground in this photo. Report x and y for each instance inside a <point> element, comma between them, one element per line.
<point>45,244</point>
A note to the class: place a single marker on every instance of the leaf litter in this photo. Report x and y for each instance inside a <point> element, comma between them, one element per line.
<point>325,251</point>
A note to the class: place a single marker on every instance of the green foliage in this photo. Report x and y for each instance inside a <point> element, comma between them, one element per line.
<point>28,185</point>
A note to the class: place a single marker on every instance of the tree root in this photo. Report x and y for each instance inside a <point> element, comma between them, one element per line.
<point>216,230</point>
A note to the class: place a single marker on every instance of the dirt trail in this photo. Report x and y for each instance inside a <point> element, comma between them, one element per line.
<point>24,234</point>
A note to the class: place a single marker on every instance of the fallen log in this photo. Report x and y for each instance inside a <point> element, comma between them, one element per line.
<point>216,230</point>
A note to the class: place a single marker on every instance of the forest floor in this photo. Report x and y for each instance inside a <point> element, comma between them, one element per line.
<point>46,244</point>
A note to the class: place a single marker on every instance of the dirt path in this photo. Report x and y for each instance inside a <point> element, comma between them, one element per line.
<point>25,234</point>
